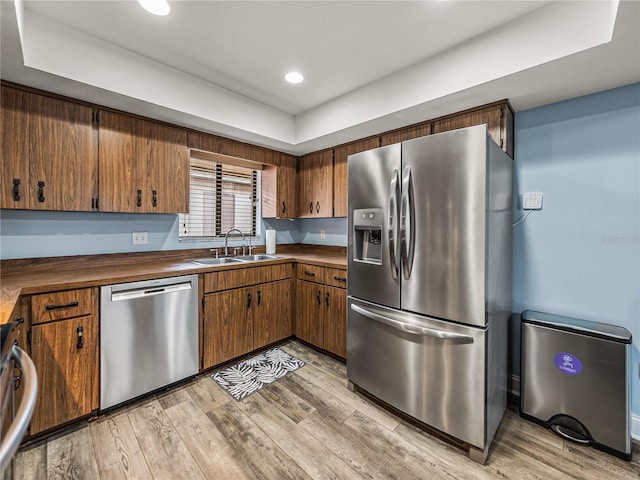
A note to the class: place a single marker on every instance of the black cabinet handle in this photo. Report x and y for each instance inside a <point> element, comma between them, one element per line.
<point>80,335</point>
<point>40,191</point>
<point>139,198</point>
<point>310,207</point>
<point>259,297</point>
<point>66,305</point>
<point>318,294</point>
<point>154,198</point>
<point>16,189</point>
<point>310,274</point>
<point>340,279</point>
<point>283,207</point>
<point>326,299</point>
<point>317,207</point>
<point>249,300</point>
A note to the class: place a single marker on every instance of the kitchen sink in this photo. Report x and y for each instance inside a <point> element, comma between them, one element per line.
<point>215,261</point>
<point>257,258</point>
<point>239,259</point>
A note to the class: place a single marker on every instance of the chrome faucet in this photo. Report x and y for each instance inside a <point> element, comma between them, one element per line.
<point>226,240</point>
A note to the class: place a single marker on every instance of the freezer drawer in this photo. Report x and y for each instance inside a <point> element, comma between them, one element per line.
<point>430,369</point>
<point>575,379</point>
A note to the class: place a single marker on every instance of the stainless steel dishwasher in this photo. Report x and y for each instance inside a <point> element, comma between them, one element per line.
<point>148,336</point>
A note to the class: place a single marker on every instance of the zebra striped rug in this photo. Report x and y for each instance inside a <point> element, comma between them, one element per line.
<point>249,376</point>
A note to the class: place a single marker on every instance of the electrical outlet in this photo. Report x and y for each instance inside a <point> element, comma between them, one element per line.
<point>323,234</point>
<point>139,238</point>
<point>532,201</point>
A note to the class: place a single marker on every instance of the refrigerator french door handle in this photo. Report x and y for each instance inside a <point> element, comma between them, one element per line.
<point>407,223</point>
<point>393,225</point>
<point>457,338</point>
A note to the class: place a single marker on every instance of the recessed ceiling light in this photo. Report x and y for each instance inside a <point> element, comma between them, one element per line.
<point>294,77</point>
<point>157,7</point>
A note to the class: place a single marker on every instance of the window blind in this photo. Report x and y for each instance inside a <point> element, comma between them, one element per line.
<point>222,196</point>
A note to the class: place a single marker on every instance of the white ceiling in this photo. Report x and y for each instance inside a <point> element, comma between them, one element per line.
<point>369,66</point>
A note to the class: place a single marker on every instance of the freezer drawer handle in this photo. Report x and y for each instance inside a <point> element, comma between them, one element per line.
<point>393,224</point>
<point>407,327</point>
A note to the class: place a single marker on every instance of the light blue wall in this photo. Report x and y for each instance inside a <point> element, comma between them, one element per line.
<point>30,234</point>
<point>580,255</point>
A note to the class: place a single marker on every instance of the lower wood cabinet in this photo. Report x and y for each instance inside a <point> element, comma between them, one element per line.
<point>65,353</point>
<point>272,313</point>
<point>321,309</point>
<point>228,328</point>
<point>240,320</point>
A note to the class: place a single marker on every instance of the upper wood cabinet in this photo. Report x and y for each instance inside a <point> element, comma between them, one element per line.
<point>14,128</point>
<point>497,116</point>
<point>226,146</point>
<point>340,180</point>
<point>144,166</point>
<point>50,153</point>
<point>315,185</point>
<point>279,189</point>
<point>406,133</point>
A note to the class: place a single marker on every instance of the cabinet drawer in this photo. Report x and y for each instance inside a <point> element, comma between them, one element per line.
<point>57,305</point>
<point>336,277</point>
<point>270,273</point>
<point>217,281</point>
<point>311,273</point>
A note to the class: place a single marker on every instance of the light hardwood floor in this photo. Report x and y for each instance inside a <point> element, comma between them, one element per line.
<point>305,425</point>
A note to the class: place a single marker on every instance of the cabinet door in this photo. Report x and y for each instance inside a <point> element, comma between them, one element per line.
<point>335,325</point>
<point>492,116</point>
<point>407,133</point>
<point>167,167</point>
<point>287,191</point>
<point>119,177</point>
<point>228,328</point>
<point>315,185</point>
<point>340,180</point>
<point>67,370</point>
<point>310,312</point>
<point>279,192</point>
<point>63,155</point>
<point>14,168</point>
<point>272,315</point>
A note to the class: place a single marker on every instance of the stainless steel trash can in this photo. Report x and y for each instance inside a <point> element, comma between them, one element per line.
<point>575,379</point>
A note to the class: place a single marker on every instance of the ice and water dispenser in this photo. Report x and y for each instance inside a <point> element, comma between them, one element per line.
<point>367,235</point>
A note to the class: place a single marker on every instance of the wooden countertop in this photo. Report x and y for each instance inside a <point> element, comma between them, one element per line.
<point>29,276</point>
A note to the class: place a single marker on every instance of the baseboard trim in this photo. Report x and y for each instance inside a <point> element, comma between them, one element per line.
<point>513,388</point>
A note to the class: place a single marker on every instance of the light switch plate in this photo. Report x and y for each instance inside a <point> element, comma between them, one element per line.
<point>532,201</point>
<point>323,234</point>
<point>139,238</point>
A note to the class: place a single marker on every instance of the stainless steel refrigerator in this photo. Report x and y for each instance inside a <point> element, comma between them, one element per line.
<point>429,292</point>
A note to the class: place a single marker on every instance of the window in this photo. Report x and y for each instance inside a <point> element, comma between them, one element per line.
<point>223,195</point>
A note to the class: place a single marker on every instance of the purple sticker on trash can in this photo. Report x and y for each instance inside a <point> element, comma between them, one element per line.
<point>567,363</point>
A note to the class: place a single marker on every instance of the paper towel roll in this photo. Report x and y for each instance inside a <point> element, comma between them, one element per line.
<point>271,242</point>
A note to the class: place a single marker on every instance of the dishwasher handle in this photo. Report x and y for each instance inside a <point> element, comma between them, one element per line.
<point>149,291</point>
